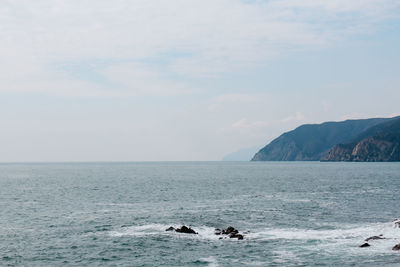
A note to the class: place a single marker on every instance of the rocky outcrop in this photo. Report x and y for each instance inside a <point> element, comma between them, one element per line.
<point>184,229</point>
<point>396,247</point>
<point>382,145</point>
<point>370,149</point>
<point>396,224</point>
<point>375,237</point>
<point>339,153</point>
<point>229,232</point>
<point>314,141</point>
<point>224,233</point>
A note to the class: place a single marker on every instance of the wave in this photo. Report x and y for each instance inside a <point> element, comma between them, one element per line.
<point>342,237</point>
<point>204,232</point>
<point>362,231</point>
<point>210,261</point>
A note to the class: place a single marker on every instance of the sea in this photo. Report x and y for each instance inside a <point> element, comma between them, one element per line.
<point>115,214</point>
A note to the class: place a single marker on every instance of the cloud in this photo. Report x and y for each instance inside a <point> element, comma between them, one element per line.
<point>326,105</point>
<point>298,117</point>
<point>239,98</point>
<point>220,102</point>
<point>352,116</point>
<point>136,79</point>
<point>251,129</point>
<point>245,124</point>
<point>182,39</point>
<point>368,7</point>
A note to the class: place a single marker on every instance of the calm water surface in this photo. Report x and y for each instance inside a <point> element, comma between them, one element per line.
<point>298,214</point>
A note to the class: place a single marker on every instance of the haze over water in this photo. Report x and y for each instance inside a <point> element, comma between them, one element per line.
<point>298,213</point>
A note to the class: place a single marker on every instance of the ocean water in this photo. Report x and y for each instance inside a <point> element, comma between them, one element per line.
<point>115,214</point>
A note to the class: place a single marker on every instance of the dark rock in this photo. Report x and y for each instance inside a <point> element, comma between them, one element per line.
<point>186,230</point>
<point>235,235</point>
<point>375,237</point>
<point>397,247</point>
<point>229,230</point>
<point>170,229</point>
<point>365,245</point>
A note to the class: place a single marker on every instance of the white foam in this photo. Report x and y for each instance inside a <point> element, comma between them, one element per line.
<point>212,261</point>
<point>285,256</point>
<point>142,230</point>
<point>204,232</point>
<point>346,238</point>
<point>346,232</point>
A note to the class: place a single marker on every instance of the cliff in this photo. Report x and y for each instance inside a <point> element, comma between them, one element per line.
<point>314,141</point>
<point>379,143</point>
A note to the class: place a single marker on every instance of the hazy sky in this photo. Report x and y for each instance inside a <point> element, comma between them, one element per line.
<point>99,80</point>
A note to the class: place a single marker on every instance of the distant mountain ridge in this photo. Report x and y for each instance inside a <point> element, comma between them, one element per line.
<point>314,142</point>
<point>244,154</point>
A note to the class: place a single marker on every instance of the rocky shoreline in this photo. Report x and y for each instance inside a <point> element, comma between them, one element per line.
<point>379,237</point>
<point>230,232</point>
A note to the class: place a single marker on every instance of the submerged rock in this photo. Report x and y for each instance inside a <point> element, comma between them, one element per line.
<point>396,247</point>
<point>186,230</point>
<point>230,231</point>
<point>365,245</point>
<point>238,236</point>
<point>375,237</point>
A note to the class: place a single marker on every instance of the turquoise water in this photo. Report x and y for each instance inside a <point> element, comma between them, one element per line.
<point>300,213</point>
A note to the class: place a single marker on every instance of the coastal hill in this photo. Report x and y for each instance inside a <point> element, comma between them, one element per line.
<point>313,142</point>
<point>379,143</point>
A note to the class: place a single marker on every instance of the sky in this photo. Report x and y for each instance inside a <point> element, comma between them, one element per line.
<point>140,80</point>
